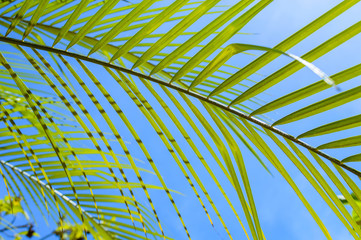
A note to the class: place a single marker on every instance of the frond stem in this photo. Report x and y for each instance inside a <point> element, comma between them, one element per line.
<point>185,91</point>
<point>42,184</point>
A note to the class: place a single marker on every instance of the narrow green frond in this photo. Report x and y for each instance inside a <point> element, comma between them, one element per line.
<point>337,126</point>
<point>221,38</point>
<point>322,106</point>
<point>285,45</point>
<point>314,88</point>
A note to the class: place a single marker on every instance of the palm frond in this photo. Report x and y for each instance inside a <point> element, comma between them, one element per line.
<point>181,84</point>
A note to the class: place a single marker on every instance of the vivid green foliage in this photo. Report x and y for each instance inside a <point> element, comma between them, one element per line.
<point>71,70</point>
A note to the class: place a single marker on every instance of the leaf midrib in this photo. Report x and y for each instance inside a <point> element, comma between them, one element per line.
<point>177,88</point>
<point>42,184</point>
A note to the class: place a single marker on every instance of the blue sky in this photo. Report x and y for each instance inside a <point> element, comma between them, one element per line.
<point>282,214</point>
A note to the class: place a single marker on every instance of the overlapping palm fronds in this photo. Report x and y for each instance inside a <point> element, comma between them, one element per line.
<point>30,158</point>
<point>75,73</point>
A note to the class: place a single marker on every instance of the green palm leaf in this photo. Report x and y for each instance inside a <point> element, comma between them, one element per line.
<point>63,113</point>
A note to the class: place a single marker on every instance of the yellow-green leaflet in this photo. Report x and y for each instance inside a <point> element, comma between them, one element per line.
<point>92,22</point>
<point>353,158</point>
<point>258,234</point>
<point>295,66</point>
<point>35,17</point>
<point>125,84</point>
<point>344,191</point>
<point>346,142</point>
<point>66,16</point>
<point>336,126</point>
<point>76,115</point>
<point>110,124</point>
<point>74,16</point>
<point>284,46</point>
<point>236,48</point>
<point>194,148</point>
<point>201,35</point>
<point>118,28</point>
<point>314,183</point>
<point>321,106</point>
<point>149,28</point>
<point>173,33</point>
<point>309,90</point>
<point>19,15</point>
<point>169,141</point>
<point>278,165</point>
<point>25,91</point>
<point>354,188</point>
<point>221,38</point>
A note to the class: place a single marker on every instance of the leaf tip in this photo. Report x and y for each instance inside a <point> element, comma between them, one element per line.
<point>137,64</point>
